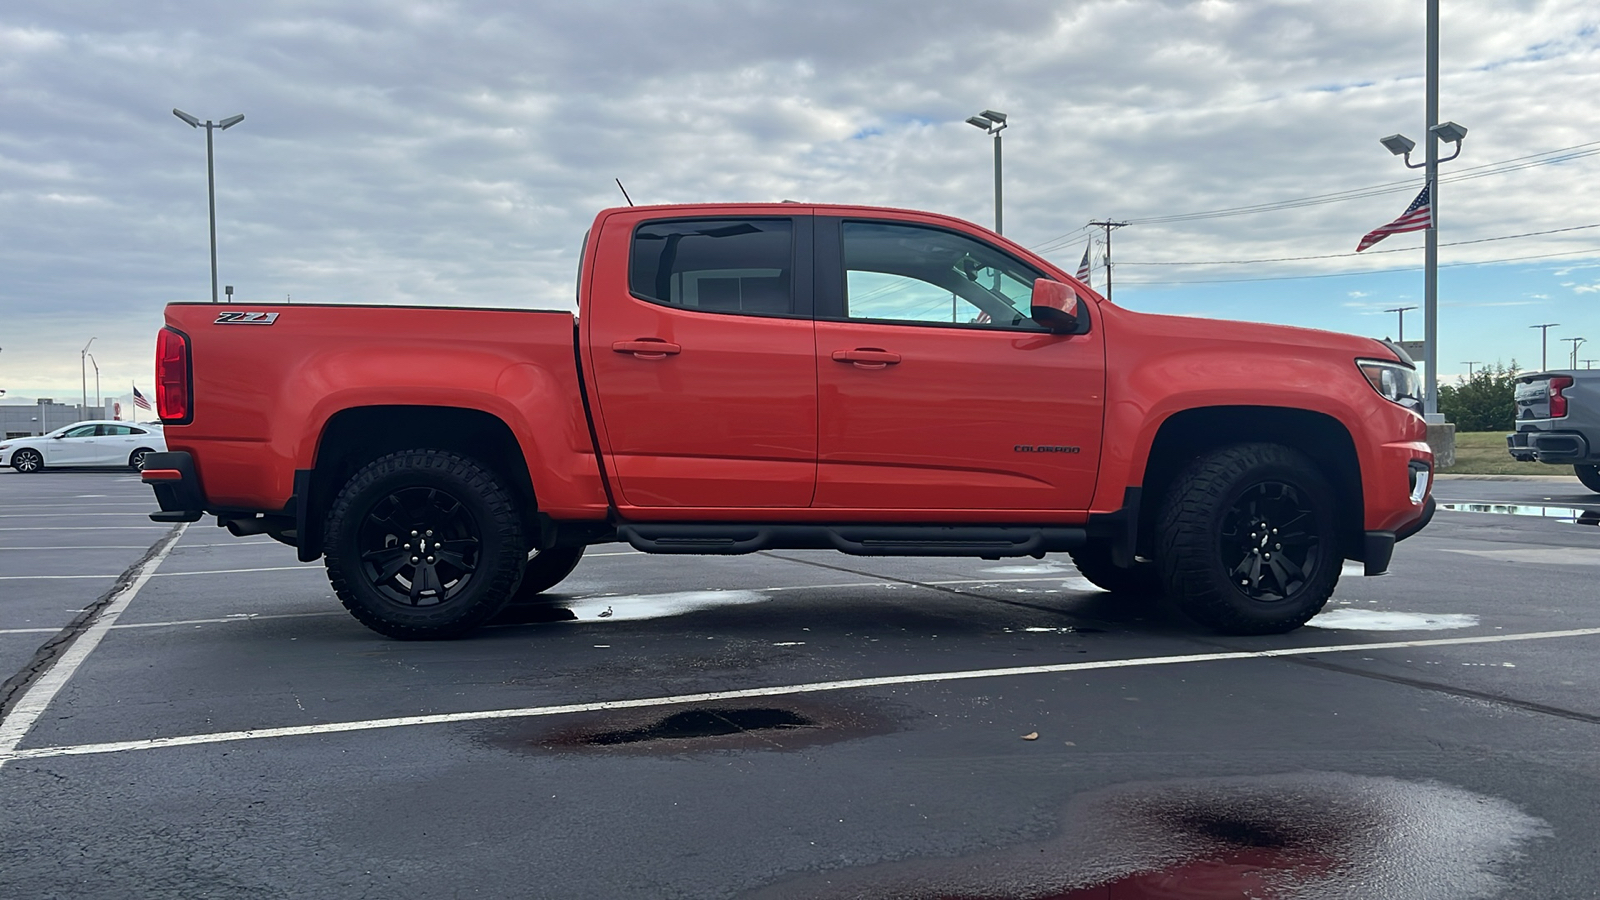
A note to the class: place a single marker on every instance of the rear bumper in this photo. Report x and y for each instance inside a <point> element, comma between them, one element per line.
<point>1548,446</point>
<point>177,487</point>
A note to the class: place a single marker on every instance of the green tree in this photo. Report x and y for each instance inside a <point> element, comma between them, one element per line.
<point>1485,402</point>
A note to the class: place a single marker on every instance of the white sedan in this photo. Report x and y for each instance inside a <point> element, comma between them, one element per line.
<point>94,443</point>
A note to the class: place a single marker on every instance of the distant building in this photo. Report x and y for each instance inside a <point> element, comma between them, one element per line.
<point>44,416</point>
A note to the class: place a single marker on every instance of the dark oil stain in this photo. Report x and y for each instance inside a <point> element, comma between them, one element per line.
<point>711,727</point>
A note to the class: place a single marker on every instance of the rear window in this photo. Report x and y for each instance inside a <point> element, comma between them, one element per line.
<point>715,265</point>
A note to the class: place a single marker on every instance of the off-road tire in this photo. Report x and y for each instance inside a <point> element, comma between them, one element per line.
<point>546,570</point>
<point>136,458</point>
<point>1141,581</point>
<point>479,535</point>
<point>1205,549</point>
<point>1589,475</point>
<point>28,461</point>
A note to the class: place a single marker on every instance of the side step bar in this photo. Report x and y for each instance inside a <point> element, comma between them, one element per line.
<point>986,541</point>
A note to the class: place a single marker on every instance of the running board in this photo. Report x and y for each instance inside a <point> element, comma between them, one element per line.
<point>985,541</point>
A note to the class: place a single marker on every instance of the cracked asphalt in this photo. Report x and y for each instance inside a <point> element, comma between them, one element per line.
<point>795,724</point>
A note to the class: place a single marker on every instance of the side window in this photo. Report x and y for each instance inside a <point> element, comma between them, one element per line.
<point>81,431</point>
<point>716,265</point>
<point>909,273</point>
<point>118,430</point>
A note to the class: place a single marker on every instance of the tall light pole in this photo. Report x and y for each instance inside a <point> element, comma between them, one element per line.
<point>1576,343</point>
<point>993,123</point>
<point>99,404</point>
<point>1402,310</point>
<point>1544,344</point>
<point>1469,364</point>
<point>211,181</point>
<point>83,373</point>
<point>1437,131</point>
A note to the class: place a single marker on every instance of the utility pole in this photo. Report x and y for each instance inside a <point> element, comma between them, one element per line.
<point>1109,226</point>
<point>1402,310</point>
<point>1544,344</point>
<point>1589,363</point>
<point>1576,343</point>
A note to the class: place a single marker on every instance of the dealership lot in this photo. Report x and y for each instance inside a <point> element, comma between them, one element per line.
<point>699,727</point>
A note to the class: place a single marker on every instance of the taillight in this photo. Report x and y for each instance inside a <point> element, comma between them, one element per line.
<point>1558,402</point>
<point>172,377</point>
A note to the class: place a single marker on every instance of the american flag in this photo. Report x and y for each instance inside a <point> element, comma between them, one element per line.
<point>1083,267</point>
<point>1417,217</point>
<point>139,400</point>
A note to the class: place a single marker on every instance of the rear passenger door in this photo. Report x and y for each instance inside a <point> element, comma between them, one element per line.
<point>702,355</point>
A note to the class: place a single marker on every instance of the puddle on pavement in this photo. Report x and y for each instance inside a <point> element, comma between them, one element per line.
<point>1559,513</point>
<point>623,607</point>
<point>1378,620</point>
<point>1034,569</point>
<point>1275,837</point>
<point>701,728</point>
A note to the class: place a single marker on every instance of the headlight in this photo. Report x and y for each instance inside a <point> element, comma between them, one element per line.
<point>1397,383</point>
<point>4,447</point>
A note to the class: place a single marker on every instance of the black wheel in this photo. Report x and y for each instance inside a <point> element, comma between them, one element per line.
<point>1142,580</point>
<point>136,458</point>
<point>1590,476</point>
<point>26,460</point>
<point>424,544</point>
<point>1248,540</point>
<point>545,571</point>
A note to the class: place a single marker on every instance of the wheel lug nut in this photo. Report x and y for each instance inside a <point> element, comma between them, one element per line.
<point>430,534</point>
<point>413,559</point>
<point>413,534</point>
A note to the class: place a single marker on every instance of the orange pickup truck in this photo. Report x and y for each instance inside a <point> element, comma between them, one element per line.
<point>757,376</point>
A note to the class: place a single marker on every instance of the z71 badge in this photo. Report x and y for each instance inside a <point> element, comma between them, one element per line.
<point>246,318</point>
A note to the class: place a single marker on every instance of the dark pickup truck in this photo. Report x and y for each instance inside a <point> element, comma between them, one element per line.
<point>1558,422</point>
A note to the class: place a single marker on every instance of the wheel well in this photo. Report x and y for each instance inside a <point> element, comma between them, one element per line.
<point>1189,434</point>
<point>355,437</point>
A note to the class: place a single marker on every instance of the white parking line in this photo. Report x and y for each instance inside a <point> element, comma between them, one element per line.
<point>86,528</point>
<point>61,512</point>
<point>20,720</point>
<point>101,547</point>
<point>8,753</point>
<point>52,577</point>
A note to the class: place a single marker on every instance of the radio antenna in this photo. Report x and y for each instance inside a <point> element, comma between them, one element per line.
<point>623,190</point>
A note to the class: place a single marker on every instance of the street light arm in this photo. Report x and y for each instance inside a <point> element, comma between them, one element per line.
<point>193,122</point>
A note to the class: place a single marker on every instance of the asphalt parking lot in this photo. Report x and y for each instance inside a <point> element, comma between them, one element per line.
<point>793,724</point>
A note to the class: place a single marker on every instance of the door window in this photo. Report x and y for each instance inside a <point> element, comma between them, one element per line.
<point>909,273</point>
<point>716,265</point>
<point>82,431</point>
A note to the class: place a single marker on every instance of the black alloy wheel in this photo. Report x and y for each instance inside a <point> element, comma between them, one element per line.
<point>419,546</point>
<point>1266,542</point>
<point>1248,539</point>
<point>26,460</point>
<point>424,544</point>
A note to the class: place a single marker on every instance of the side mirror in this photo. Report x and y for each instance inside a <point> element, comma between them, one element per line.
<point>58,436</point>
<point>1057,308</point>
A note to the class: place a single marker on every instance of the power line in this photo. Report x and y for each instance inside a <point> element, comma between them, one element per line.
<point>1544,158</point>
<point>1240,262</point>
<point>1486,262</point>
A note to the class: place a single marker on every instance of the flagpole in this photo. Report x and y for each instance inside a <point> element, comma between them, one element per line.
<point>1430,312</point>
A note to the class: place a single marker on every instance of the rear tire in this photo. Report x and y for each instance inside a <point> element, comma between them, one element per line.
<point>424,544</point>
<point>136,458</point>
<point>26,460</point>
<point>1249,540</point>
<point>1590,476</point>
<point>545,571</point>
<point>1142,580</point>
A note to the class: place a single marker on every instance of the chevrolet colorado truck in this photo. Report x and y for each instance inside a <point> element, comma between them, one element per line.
<point>1558,422</point>
<point>758,376</point>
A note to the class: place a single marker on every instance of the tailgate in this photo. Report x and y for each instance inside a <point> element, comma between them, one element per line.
<point>1532,395</point>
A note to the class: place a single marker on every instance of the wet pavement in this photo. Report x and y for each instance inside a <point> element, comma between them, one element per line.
<point>806,724</point>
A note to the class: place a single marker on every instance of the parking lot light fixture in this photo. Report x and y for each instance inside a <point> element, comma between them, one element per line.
<point>993,122</point>
<point>83,374</point>
<point>211,182</point>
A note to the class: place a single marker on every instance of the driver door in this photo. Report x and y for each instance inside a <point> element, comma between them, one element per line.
<point>936,390</point>
<point>74,448</point>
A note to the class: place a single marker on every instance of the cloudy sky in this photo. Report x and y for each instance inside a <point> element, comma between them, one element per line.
<point>454,152</point>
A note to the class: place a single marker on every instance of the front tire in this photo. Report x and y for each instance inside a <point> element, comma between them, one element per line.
<point>545,571</point>
<point>26,460</point>
<point>1590,476</point>
<point>1249,540</point>
<point>424,544</point>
